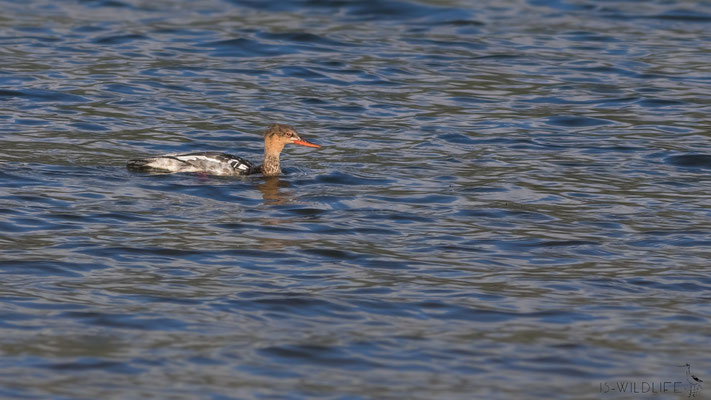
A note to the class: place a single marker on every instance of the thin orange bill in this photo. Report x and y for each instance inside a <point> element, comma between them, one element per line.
<point>305,143</point>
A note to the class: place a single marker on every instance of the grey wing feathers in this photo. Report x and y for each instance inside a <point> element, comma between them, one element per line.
<point>237,163</point>
<point>208,162</point>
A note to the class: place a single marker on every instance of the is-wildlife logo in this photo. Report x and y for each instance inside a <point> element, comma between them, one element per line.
<point>692,386</point>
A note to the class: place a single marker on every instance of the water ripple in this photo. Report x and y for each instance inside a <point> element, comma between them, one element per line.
<point>510,201</point>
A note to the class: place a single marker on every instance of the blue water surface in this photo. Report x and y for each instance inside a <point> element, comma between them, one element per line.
<point>511,201</point>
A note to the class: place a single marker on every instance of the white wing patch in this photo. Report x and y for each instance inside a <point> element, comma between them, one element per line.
<point>238,164</point>
<point>195,158</point>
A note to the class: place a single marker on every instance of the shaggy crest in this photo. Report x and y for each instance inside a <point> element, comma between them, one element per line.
<point>279,130</point>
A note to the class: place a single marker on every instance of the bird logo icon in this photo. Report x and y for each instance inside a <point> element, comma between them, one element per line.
<point>695,383</point>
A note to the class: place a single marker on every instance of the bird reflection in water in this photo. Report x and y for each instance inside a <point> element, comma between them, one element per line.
<point>271,192</point>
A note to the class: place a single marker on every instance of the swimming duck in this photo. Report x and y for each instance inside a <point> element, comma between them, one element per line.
<point>216,163</point>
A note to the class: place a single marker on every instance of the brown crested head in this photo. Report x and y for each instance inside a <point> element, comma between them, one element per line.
<point>285,134</point>
<point>279,130</point>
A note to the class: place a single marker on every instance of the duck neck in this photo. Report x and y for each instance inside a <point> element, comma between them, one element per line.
<point>271,164</point>
<point>272,148</point>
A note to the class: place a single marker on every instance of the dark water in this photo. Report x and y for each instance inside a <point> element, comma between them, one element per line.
<point>512,200</point>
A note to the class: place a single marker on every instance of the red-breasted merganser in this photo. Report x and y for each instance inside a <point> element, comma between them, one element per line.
<point>215,163</point>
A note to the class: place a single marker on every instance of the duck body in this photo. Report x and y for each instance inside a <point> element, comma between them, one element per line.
<point>208,162</point>
<point>223,164</point>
